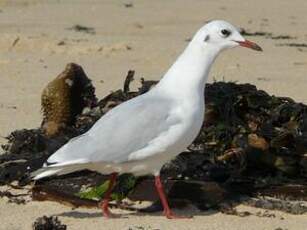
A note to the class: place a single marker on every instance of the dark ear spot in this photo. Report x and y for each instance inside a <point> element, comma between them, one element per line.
<point>207,38</point>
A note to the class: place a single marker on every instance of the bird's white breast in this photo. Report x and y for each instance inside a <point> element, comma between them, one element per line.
<point>191,118</point>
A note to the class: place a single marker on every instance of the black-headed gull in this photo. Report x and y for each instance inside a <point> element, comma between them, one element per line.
<point>140,135</point>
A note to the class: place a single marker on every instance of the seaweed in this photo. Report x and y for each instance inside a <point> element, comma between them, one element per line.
<point>48,223</point>
<point>266,35</point>
<point>299,45</point>
<point>84,29</point>
<point>66,97</point>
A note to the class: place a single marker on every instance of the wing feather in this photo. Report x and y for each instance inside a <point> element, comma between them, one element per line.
<point>126,129</point>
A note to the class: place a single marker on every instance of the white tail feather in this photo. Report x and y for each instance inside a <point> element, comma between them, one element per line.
<point>54,170</point>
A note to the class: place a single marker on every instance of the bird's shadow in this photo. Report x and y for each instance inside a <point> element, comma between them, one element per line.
<point>80,215</point>
<point>184,212</point>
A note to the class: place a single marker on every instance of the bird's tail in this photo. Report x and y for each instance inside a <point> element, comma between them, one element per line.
<point>54,171</point>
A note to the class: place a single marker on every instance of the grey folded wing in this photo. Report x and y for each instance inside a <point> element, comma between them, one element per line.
<point>126,129</point>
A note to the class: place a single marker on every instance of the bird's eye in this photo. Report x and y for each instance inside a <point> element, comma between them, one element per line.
<point>225,33</point>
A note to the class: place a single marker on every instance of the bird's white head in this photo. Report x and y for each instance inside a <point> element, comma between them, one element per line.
<point>221,35</point>
<point>196,60</point>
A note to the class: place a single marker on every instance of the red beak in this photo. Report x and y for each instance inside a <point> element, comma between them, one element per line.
<point>250,45</point>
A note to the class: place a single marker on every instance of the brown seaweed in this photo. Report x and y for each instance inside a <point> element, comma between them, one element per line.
<point>84,29</point>
<point>48,223</point>
<point>265,34</point>
<point>65,97</point>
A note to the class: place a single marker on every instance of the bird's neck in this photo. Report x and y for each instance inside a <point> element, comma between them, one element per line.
<point>188,75</point>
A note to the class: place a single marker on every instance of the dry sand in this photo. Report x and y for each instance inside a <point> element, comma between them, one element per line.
<point>147,38</point>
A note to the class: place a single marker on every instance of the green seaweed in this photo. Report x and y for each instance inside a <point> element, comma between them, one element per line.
<point>125,185</point>
<point>94,193</point>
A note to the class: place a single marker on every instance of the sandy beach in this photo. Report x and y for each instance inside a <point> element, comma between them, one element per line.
<point>37,42</point>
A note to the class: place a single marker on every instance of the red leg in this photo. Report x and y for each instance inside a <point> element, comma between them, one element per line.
<point>107,195</point>
<point>167,211</point>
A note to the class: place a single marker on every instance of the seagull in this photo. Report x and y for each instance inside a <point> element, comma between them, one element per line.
<point>140,135</point>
